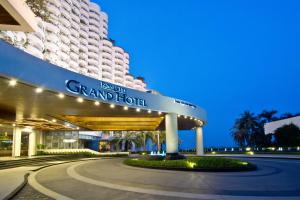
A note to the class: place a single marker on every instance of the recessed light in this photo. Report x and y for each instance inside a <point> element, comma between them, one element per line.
<point>12,82</point>
<point>97,103</point>
<point>80,100</point>
<point>61,95</point>
<point>125,108</point>
<point>112,105</point>
<point>39,90</point>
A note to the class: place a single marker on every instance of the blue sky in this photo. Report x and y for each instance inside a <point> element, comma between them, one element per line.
<point>225,56</point>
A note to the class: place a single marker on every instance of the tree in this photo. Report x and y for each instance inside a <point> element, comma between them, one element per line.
<point>244,128</point>
<point>267,116</point>
<point>286,115</point>
<point>287,135</point>
<point>39,8</point>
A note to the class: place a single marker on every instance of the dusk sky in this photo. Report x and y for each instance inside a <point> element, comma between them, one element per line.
<point>225,56</point>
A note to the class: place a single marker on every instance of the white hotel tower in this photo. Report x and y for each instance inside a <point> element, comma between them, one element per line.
<point>76,38</point>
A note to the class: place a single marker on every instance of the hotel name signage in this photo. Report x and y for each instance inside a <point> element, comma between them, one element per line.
<point>105,92</point>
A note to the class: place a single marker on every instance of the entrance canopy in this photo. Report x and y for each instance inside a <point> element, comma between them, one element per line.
<point>44,96</point>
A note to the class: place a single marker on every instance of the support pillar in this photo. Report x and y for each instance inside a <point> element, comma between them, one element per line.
<point>16,150</point>
<point>199,141</point>
<point>171,134</point>
<point>32,144</point>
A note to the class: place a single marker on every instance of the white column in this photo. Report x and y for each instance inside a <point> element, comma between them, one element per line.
<point>199,141</point>
<point>32,143</point>
<point>171,133</point>
<point>16,150</point>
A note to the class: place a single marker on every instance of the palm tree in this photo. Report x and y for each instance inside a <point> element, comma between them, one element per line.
<point>158,138</point>
<point>244,128</point>
<point>267,116</point>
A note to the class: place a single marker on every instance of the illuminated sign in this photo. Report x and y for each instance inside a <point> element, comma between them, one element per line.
<point>106,92</point>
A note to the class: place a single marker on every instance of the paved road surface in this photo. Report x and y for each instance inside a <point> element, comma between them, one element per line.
<point>110,179</point>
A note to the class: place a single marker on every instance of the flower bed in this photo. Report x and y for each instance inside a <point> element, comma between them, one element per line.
<point>212,164</point>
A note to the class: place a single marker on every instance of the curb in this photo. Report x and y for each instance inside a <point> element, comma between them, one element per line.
<point>25,181</point>
<point>17,189</point>
<point>254,156</point>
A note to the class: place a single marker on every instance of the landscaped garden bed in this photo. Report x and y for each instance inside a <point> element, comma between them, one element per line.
<point>212,164</point>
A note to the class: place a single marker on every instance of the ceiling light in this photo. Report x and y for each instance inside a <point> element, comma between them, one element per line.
<point>112,105</point>
<point>79,99</point>
<point>125,108</point>
<point>39,90</point>
<point>185,117</point>
<point>149,111</point>
<point>97,103</point>
<point>77,128</point>
<point>54,120</point>
<point>61,95</point>
<point>138,110</point>
<point>13,124</point>
<point>12,82</point>
<point>159,113</point>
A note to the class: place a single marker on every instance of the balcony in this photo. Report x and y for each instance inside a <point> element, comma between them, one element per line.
<point>107,56</point>
<point>83,63</point>
<point>65,39</point>
<point>119,74</point>
<point>106,49</point>
<point>74,56</point>
<point>119,80</point>
<point>75,24</point>
<point>94,36</point>
<point>53,9</point>
<point>93,55</point>
<point>74,66</point>
<point>83,48</point>
<point>65,22</point>
<point>34,51</point>
<point>66,5</point>
<point>83,34</point>
<point>65,57</point>
<point>107,68</point>
<point>92,61</point>
<point>51,28</point>
<point>94,16</point>
<point>93,41</point>
<point>94,49</point>
<point>94,29</point>
<point>50,46</point>
<point>107,75</point>
<point>64,30</point>
<point>74,36</point>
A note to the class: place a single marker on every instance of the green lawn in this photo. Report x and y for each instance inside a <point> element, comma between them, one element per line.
<point>194,164</point>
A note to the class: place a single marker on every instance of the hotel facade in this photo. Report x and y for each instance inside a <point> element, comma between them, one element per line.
<point>63,84</point>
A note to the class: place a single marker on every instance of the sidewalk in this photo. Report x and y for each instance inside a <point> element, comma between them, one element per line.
<point>11,179</point>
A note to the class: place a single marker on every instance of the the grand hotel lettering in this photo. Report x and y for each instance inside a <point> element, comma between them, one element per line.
<point>106,92</point>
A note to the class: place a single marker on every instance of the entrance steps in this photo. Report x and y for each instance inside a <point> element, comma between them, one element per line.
<point>37,161</point>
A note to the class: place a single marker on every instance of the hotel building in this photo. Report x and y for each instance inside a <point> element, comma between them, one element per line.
<point>75,37</point>
<point>56,91</point>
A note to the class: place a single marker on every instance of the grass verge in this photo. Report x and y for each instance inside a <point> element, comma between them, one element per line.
<point>212,164</point>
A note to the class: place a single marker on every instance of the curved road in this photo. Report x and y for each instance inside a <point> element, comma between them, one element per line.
<point>110,179</point>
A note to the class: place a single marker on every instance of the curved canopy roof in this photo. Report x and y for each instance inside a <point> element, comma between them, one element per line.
<point>83,102</point>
